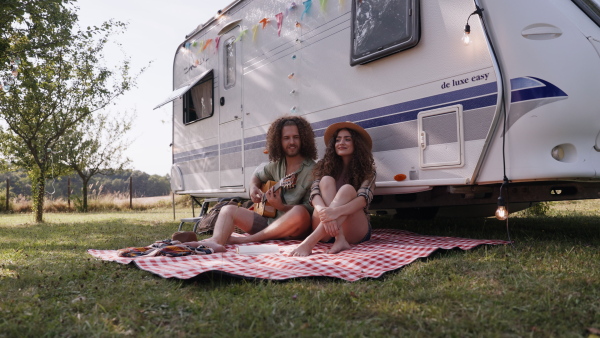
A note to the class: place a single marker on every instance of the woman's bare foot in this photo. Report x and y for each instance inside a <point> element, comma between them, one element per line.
<point>339,246</point>
<point>302,250</point>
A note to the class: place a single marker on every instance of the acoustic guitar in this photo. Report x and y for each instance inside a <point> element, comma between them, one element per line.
<point>263,207</point>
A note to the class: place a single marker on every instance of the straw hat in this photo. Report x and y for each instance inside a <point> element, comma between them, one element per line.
<point>332,129</point>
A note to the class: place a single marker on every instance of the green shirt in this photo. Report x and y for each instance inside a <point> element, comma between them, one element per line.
<point>275,171</point>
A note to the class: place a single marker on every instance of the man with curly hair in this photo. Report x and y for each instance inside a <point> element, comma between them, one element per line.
<point>292,150</point>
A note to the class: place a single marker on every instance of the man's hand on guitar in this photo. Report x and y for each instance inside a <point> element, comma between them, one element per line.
<point>274,199</point>
<point>255,194</point>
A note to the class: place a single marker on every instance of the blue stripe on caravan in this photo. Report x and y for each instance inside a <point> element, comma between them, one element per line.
<point>195,157</point>
<point>523,89</point>
<point>434,100</point>
<point>480,102</point>
<point>401,112</point>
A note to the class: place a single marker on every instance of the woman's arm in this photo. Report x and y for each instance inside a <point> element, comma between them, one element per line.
<point>333,213</point>
<point>361,200</point>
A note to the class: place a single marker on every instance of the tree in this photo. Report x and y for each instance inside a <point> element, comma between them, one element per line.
<point>58,86</point>
<point>33,26</point>
<point>94,147</point>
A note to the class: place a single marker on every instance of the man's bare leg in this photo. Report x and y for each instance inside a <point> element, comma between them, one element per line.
<point>209,244</point>
<point>293,223</point>
<point>229,217</point>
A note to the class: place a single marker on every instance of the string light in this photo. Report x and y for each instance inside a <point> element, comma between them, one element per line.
<point>466,38</point>
<point>502,211</point>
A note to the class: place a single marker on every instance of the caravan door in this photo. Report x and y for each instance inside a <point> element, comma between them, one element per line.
<point>230,116</point>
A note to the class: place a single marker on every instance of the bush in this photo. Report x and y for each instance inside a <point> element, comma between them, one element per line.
<point>538,209</point>
<point>96,203</point>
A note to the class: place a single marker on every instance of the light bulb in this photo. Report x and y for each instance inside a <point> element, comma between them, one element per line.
<point>466,39</point>
<point>502,213</point>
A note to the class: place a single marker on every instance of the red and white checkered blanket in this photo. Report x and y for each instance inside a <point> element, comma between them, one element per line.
<point>386,251</point>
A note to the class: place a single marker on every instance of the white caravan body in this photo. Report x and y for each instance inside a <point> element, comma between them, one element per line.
<point>434,105</point>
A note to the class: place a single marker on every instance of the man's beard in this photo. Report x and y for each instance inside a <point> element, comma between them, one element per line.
<point>291,152</point>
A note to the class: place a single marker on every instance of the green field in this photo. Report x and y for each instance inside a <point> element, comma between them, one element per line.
<point>546,285</point>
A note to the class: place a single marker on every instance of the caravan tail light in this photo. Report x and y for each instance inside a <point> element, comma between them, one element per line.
<point>400,177</point>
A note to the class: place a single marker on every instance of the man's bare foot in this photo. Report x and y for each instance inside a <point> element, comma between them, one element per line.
<point>209,244</point>
<point>339,246</point>
<point>302,250</point>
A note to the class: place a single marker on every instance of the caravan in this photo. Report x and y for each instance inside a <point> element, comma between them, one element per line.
<point>460,96</point>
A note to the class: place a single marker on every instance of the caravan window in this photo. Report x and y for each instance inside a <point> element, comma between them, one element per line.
<point>591,8</point>
<point>229,62</point>
<point>383,27</point>
<point>198,101</point>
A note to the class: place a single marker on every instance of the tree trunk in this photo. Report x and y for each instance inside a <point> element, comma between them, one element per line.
<point>84,191</point>
<point>38,188</point>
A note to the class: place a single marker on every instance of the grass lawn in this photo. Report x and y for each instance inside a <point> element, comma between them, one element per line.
<point>547,285</point>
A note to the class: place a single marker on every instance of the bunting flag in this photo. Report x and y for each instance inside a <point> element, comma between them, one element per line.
<point>242,34</point>
<point>307,5</point>
<point>323,5</point>
<point>279,18</point>
<point>292,7</point>
<point>217,39</point>
<point>206,44</point>
<point>264,22</point>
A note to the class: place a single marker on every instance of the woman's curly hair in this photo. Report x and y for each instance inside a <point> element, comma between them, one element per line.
<point>361,166</point>
<point>307,138</point>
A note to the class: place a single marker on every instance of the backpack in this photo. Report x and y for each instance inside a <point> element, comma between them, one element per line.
<point>208,221</point>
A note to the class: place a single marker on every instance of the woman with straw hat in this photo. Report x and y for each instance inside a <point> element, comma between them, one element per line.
<point>342,190</point>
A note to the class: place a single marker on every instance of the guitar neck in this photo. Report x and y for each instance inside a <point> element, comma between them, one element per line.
<point>277,186</point>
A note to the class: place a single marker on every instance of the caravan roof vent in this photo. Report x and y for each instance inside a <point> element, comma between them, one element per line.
<point>229,27</point>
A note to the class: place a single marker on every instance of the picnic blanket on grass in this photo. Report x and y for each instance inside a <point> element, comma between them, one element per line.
<point>387,250</point>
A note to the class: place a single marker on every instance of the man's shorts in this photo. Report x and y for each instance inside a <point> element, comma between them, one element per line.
<point>258,224</point>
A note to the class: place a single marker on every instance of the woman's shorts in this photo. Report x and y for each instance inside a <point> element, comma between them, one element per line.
<point>364,239</point>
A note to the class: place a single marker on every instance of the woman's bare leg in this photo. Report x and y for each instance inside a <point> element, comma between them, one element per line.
<point>330,197</point>
<point>353,227</point>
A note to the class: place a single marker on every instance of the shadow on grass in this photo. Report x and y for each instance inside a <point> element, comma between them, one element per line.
<point>583,230</point>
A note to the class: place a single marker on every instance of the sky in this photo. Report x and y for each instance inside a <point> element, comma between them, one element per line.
<point>155,29</point>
